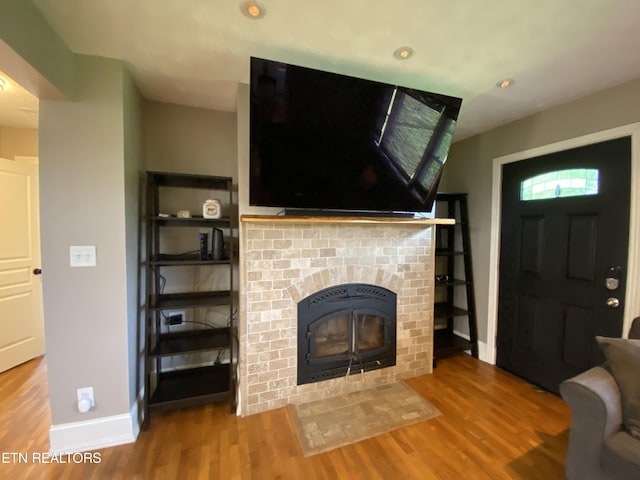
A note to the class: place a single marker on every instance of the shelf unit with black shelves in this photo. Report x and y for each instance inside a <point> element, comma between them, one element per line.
<point>193,362</point>
<point>184,259</point>
<point>190,222</point>
<point>190,387</point>
<point>454,290</point>
<point>176,301</point>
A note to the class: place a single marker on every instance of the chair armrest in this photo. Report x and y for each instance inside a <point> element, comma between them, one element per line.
<point>596,410</point>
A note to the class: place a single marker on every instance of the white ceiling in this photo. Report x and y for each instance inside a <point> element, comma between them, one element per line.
<point>195,52</point>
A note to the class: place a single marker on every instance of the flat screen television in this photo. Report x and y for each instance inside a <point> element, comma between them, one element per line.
<point>326,142</point>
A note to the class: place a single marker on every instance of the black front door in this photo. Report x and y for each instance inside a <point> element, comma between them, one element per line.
<point>565,230</point>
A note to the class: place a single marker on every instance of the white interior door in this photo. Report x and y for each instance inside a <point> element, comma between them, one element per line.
<point>21,317</point>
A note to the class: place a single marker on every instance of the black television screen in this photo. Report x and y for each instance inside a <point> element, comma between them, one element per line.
<point>324,141</point>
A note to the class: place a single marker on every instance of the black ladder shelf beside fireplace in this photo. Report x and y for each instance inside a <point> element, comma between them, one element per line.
<point>188,362</point>
<point>454,293</point>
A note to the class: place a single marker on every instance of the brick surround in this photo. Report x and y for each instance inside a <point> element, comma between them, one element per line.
<point>283,262</point>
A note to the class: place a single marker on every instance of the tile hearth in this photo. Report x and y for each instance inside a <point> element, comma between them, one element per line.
<point>326,424</point>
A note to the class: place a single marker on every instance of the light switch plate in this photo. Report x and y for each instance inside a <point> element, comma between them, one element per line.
<point>82,255</point>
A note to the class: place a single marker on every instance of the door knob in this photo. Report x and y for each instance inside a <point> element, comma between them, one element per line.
<point>37,271</point>
<point>613,302</point>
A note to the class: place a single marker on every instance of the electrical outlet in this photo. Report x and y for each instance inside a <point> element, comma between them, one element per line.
<point>174,317</point>
<point>86,400</point>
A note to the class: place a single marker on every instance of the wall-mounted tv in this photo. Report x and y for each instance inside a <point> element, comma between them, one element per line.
<point>323,141</point>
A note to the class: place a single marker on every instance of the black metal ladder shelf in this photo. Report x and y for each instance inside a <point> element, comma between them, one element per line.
<point>454,272</point>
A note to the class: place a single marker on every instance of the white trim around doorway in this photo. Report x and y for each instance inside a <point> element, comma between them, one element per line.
<point>632,293</point>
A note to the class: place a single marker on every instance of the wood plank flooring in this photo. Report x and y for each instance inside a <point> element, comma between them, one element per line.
<point>494,426</point>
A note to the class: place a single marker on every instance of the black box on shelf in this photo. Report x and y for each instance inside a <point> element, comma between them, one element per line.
<point>204,246</point>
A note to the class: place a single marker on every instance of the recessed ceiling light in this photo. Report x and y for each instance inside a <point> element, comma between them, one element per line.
<point>252,9</point>
<point>507,82</point>
<point>403,53</point>
<point>3,85</point>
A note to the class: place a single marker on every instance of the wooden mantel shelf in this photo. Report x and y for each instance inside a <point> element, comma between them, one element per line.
<point>347,220</point>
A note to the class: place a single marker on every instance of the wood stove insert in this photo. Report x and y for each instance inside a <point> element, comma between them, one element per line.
<point>344,330</point>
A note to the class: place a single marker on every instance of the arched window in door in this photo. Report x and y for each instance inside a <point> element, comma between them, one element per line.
<point>572,182</point>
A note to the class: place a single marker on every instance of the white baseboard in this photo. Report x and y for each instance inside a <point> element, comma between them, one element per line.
<point>95,433</point>
<point>483,353</point>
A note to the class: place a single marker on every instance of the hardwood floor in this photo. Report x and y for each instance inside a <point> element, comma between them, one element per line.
<point>494,426</point>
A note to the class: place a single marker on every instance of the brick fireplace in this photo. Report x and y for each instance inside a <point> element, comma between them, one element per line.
<point>287,259</point>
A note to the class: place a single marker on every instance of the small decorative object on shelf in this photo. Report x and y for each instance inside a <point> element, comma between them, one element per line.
<point>212,208</point>
<point>454,271</point>
<point>189,359</point>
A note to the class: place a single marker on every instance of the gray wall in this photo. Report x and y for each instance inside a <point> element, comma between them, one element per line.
<point>82,194</point>
<point>470,163</point>
<point>133,168</point>
<point>189,140</point>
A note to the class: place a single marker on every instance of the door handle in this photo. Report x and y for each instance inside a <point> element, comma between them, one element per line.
<point>37,271</point>
<point>613,302</point>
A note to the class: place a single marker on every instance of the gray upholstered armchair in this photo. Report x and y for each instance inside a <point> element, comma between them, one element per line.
<point>603,445</point>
